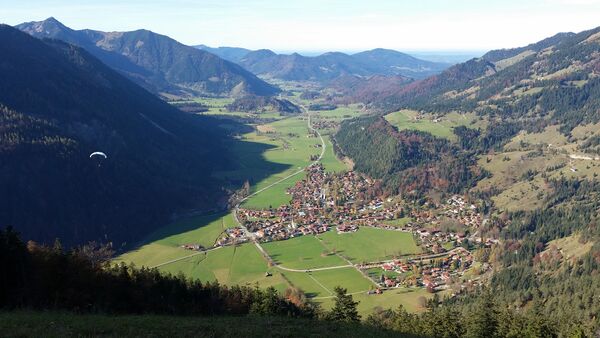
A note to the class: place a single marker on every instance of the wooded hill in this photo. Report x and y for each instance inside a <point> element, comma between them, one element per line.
<point>555,80</point>
<point>409,162</point>
<point>262,104</point>
<point>58,104</point>
<point>157,62</point>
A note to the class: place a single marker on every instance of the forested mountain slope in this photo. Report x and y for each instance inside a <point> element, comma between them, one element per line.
<point>157,62</point>
<point>517,130</point>
<point>58,104</point>
<point>555,80</point>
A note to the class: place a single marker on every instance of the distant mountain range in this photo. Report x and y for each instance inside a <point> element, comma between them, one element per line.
<point>233,54</point>
<point>58,104</point>
<point>157,62</point>
<point>328,66</point>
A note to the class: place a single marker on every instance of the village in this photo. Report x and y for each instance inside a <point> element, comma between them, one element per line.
<point>344,202</point>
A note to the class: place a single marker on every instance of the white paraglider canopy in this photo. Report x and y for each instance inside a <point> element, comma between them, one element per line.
<point>98,153</point>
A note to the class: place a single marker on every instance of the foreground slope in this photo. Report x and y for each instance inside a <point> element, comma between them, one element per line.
<point>157,62</point>
<point>58,104</point>
<point>70,325</point>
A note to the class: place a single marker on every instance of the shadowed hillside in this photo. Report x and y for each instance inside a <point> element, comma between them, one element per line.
<point>58,104</point>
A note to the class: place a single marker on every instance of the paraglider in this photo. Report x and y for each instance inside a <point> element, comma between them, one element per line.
<point>98,157</point>
<point>98,153</point>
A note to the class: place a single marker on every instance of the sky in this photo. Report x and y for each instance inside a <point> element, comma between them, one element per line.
<point>324,25</point>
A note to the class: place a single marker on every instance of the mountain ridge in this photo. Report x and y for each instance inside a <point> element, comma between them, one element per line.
<point>330,65</point>
<point>156,61</point>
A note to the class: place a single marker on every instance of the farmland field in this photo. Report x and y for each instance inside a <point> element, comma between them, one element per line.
<point>305,252</point>
<point>229,265</point>
<point>321,283</point>
<point>164,244</point>
<point>370,244</point>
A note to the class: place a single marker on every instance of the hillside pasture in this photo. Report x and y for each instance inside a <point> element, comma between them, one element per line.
<point>440,126</point>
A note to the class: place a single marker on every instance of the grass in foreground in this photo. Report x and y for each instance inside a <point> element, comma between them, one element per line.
<point>55,324</point>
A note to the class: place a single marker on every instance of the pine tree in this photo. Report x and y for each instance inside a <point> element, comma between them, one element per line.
<point>484,321</point>
<point>345,307</point>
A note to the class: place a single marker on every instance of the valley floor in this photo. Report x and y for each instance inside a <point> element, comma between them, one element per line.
<point>200,247</point>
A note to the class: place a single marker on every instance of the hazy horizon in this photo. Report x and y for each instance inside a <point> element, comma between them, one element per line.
<point>311,26</point>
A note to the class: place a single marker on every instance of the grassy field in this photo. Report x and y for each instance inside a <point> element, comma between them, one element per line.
<point>391,299</point>
<point>550,136</point>
<point>330,160</point>
<point>571,246</point>
<point>320,284</point>
<point>60,324</point>
<point>151,254</point>
<point>305,252</point>
<point>370,244</point>
<point>340,113</point>
<point>229,265</point>
<point>164,244</point>
<point>437,126</point>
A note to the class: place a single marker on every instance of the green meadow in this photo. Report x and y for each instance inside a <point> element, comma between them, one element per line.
<point>229,265</point>
<point>320,284</point>
<point>304,252</point>
<point>164,244</point>
<point>370,244</point>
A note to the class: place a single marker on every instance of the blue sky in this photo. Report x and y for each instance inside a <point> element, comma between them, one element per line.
<point>312,25</point>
